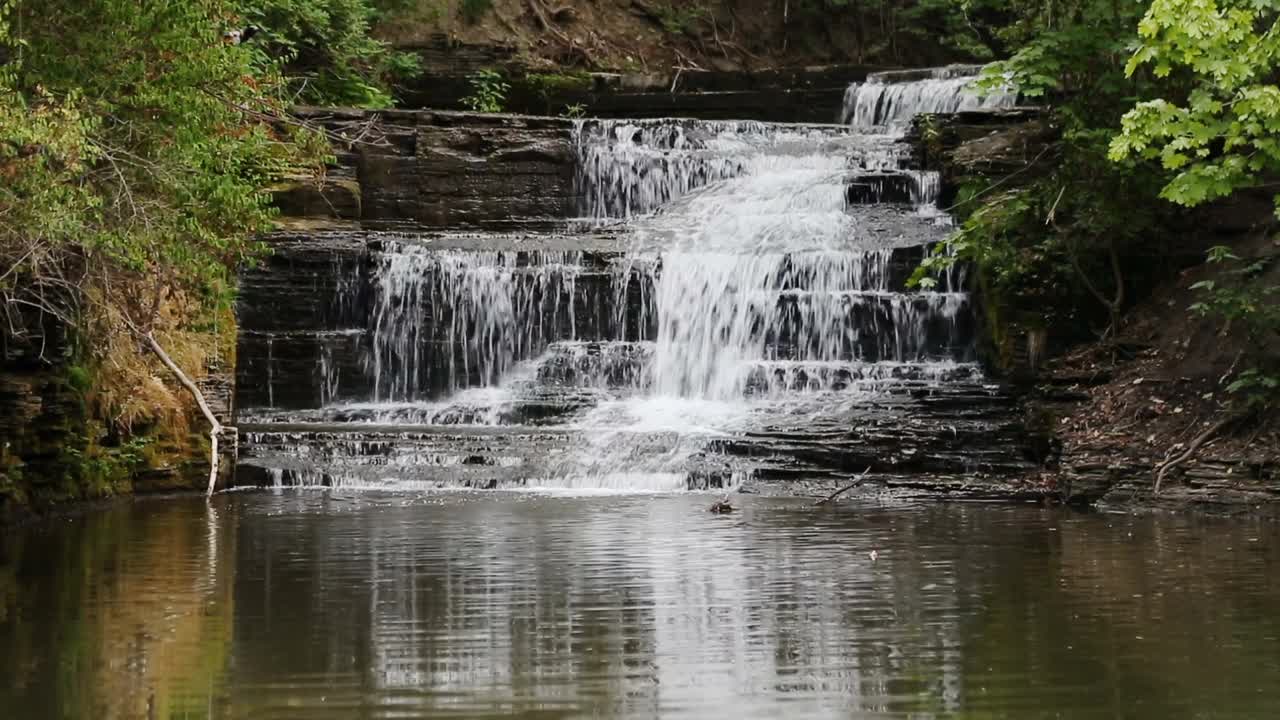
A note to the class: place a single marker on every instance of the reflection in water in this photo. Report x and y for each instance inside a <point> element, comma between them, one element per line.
<point>121,614</point>
<point>309,606</point>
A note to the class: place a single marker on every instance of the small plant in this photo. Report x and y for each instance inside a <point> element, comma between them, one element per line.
<point>1257,387</point>
<point>676,20</point>
<point>930,133</point>
<point>488,91</point>
<point>575,111</point>
<point>1243,295</point>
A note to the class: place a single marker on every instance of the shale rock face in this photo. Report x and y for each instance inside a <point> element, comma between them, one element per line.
<point>443,169</point>
<point>52,450</point>
<point>987,144</point>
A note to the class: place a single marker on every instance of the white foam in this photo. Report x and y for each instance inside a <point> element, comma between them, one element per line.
<point>887,107</point>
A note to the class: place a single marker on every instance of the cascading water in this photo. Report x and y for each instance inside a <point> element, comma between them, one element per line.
<point>750,302</point>
<point>447,320</point>
<point>886,102</point>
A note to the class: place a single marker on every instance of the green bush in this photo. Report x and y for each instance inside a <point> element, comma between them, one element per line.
<point>488,92</point>
<point>327,53</point>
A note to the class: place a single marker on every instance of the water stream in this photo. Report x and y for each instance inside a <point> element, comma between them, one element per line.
<point>730,288</point>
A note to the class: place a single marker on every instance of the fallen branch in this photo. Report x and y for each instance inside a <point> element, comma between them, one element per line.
<point>1199,440</point>
<point>828,499</point>
<point>683,62</point>
<point>215,427</point>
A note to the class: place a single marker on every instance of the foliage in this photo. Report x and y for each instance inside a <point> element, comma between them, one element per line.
<point>1225,134</point>
<point>547,83</point>
<point>1217,132</point>
<point>681,17</point>
<point>1247,299</point>
<point>1058,234</point>
<point>136,148</point>
<point>553,88</point>
<point>1245,294</point>
<point>328,55</point>
<point>488,91</point>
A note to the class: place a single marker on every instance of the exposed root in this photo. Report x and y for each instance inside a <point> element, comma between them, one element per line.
<point>831,498</point>
<point>1204,437</point>
<point>572,48</point>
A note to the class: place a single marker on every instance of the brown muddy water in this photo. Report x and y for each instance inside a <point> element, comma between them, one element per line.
<point>453,605</point>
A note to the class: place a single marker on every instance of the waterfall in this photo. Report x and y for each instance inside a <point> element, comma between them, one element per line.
<point>730,291</point>
<point>886,102</point>
<point>447,319</point>
<point>764,259</point>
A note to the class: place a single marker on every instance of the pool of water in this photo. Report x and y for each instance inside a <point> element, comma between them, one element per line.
<point>310,605</point>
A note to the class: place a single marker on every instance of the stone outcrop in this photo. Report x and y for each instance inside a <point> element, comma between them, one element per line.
<point>52,449</point>
<point>441,169</point>
<point>983,144</point>
<point>1211,483</point>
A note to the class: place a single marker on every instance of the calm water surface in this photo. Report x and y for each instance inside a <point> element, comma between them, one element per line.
<point>499,605</point>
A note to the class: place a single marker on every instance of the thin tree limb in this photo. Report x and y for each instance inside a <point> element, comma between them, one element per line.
<point>1199,440</point>
<point>1001,181</point>
<point>215,427</point>
<point>1118,276</point>
<point>830,498</point>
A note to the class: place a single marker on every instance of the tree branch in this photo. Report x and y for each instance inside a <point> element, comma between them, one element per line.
<point>215,427</point>
<point>830,498</point>
<point>1199,440</point>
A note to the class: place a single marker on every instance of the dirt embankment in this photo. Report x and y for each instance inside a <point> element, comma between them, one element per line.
<point>1152,400</point>
<point>1155,406</point>
<point>661,35</point>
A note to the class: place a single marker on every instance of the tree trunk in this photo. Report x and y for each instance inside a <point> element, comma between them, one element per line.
<point>1113,304</point>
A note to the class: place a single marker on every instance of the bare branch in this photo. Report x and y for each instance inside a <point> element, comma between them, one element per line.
<point>215,427</point>
<point>831,498</point>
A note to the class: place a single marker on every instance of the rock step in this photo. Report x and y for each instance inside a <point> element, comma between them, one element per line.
<point>424,457</point>
<point>953,429</point>
<point>301,369</point>
<point>307,312</point>
<point>903,188</point>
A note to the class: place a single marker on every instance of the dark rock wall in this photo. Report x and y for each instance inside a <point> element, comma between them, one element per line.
<point>289,308</point>
<point>984,148</point>
<point>441,169</point>
<point>53,450</point>
<point>303,311</point>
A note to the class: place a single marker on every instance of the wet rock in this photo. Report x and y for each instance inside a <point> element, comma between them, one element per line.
<point>1209,484</point>
<point>876,188</point>
<point>992,143</point>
